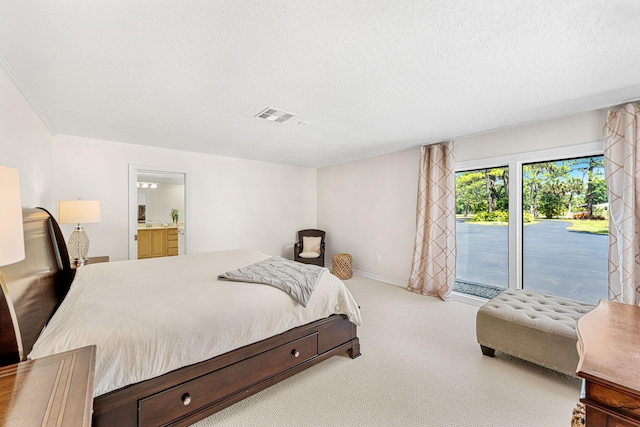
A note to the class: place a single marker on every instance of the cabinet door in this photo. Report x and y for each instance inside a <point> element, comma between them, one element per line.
<point>172,241</point>
<point>144,244</point>
<point>158,243</point>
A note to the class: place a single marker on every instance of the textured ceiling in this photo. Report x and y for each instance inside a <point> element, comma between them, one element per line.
<point>369,76</point>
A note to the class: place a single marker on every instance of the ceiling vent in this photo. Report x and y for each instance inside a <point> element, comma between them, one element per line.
<point>274,115</point>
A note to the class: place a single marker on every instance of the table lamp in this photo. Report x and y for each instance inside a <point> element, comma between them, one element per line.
<point>11,235</point>
<point>78,212</point>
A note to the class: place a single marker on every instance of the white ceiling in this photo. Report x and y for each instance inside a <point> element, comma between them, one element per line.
<point>369,76</point>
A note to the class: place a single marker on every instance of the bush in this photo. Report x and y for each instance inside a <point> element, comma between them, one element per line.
<point>499,216</point>
<point>550,205</point>
<point>584,215</point>
<point>495,216</point>
<point>600,213</point>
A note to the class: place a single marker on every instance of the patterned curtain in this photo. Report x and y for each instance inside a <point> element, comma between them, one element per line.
<point>434,256</point>
<point>622,171</point>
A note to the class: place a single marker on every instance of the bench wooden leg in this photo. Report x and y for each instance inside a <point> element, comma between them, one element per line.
<point>487,351</point>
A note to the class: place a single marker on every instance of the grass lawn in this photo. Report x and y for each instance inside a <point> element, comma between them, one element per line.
<point>468,218</point>
<point>593,226</point>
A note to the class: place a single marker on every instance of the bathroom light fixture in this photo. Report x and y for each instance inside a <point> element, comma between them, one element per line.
<point>78,212</point>
<point>147,185</point>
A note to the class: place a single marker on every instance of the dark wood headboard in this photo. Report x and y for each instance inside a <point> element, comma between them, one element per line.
<point>33,288</point>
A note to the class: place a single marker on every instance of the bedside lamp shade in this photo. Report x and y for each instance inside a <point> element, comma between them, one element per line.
<point>11,232</point>
<point>78,212</point>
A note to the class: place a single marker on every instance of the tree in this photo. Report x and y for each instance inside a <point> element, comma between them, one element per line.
<point>575,188</point>
<point>592,169</point>
<point>599,190</point>
<point>470,191</point>
<point>481,191</point>
<point>489,183</point>
<point>554,186</point>
<point>503,200</point>
<point>594,162</point>
<point>550,205</point>
<point>496,180</point>
<point>533,180</point>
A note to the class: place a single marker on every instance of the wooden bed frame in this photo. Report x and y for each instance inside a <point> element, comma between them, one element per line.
<point>34,288</point>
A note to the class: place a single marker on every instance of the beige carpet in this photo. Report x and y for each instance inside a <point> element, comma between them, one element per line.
<point>420,366</point>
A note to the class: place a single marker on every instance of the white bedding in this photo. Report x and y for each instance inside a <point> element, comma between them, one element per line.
<point>149,317</point>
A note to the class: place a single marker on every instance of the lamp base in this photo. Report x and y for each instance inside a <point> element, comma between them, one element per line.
<point>78,245</point>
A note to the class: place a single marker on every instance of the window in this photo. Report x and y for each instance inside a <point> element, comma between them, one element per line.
<point>536,221</point>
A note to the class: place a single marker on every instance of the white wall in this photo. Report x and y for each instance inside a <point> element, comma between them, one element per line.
<point>368,207</point>
<point>25,144</point>
<point>559,132</point>
<point>159,202</point>
<point>232,203</point>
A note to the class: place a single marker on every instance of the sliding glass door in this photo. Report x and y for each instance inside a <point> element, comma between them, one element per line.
<point>482,232</point>
<point>565,246</point>
<point>549,234</point>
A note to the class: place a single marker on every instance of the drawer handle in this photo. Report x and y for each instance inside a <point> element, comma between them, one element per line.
<point>295,353</point>
<point>186,399</point>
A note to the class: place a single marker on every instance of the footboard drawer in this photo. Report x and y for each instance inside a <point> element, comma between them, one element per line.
<point>177,402</point>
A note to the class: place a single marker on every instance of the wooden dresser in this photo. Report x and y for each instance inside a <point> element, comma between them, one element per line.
<point>52,391</point>
<point>609,347</point>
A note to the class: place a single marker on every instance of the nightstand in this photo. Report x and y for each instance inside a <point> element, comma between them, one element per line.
<point>51,391</point>
<point>91,260</point>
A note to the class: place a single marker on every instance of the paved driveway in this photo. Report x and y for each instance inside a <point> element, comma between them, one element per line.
<point>559,262</point>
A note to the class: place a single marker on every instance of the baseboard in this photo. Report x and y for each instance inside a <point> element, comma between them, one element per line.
<point>468,299</point>
<point>395,282</point>
<point>383,279</point>
<point>455,296</point>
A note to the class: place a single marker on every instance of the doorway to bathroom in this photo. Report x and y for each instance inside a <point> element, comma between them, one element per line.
<point>157,212</point>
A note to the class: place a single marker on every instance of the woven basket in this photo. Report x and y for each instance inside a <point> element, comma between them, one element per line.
<point>341,266</point>
<point>578,416</point>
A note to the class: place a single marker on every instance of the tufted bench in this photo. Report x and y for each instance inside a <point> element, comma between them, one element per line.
<point>533,327</point>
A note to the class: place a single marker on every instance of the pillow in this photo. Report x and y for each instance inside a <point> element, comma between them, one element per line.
<point>311,244</point>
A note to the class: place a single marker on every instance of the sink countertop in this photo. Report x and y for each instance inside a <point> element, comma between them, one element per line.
<point>156,226</point>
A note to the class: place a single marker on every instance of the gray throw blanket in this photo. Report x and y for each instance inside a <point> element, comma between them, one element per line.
<point>297,279</point>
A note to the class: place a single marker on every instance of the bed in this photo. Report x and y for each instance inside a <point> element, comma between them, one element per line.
<point>143,376</point>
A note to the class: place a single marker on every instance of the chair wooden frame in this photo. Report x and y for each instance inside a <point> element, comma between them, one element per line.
<point>297,248</point>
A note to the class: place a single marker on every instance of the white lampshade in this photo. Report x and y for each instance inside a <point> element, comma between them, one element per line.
<point>11,231</point>
<point>78,211</point>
